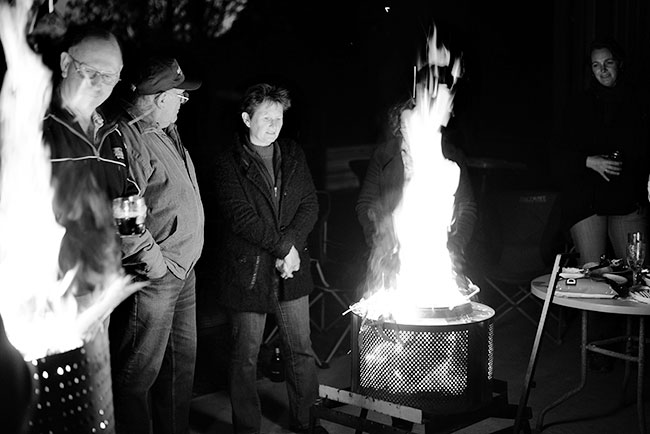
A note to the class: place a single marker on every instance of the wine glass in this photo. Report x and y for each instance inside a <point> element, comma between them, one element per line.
<point>636,247</point>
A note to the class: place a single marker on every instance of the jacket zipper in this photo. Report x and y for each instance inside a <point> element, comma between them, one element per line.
<point>84,138</point>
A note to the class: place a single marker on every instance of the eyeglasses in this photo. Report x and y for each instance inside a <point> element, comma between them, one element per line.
<point>87,71</point>
<point>184,97</point>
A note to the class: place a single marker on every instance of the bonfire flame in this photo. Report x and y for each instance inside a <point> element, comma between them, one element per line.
<point>421,222</point>
<point>37,304</point>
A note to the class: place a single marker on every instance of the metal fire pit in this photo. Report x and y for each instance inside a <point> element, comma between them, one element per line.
<point>441,364</point>
<point>73,391</point>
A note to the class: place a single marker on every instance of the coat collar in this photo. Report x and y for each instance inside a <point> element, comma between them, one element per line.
<point>287,152</point>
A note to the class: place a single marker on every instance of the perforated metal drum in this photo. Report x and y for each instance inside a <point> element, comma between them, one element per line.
<point>439,366</point>
<point>73,391</point>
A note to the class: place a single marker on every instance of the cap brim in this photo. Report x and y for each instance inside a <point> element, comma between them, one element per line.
<point>189,85</point>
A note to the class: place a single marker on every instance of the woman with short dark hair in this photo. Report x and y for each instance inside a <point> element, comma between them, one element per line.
<point>267,206</point>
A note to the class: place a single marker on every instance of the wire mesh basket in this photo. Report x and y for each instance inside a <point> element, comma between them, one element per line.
<point>440,369</point>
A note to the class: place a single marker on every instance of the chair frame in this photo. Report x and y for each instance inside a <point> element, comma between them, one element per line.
<point>515,302</point>
<point>502,281</point>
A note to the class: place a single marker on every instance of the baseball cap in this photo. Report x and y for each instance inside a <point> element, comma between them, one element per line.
<point>159,74</point>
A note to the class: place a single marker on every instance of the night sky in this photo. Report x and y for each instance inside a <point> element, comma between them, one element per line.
<point>346,62</point>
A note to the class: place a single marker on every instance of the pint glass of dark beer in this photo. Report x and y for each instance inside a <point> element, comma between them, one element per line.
<point>129,213</point>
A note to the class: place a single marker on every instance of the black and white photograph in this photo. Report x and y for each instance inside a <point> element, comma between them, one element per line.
<point>343,217</point>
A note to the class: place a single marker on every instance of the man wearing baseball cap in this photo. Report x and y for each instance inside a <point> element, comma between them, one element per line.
<point>153,333</point>
<point>160,74</point>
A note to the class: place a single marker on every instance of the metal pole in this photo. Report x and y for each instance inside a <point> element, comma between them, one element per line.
<point>532,363</point>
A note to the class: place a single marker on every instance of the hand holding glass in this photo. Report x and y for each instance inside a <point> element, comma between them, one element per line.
<point>129,214</point>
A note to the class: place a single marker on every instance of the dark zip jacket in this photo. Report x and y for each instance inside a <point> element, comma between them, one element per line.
<point>82,169</point>
<point>104,157</point>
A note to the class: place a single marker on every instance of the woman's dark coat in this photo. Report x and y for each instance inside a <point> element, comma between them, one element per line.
<point>253,235</point>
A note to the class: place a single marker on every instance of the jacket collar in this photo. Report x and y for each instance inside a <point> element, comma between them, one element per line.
<point>98,117</point>
<point>244,157</point>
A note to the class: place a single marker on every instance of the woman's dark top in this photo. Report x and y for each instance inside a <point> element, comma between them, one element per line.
<point>601,121</point>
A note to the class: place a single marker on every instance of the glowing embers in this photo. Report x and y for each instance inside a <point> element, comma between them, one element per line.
<point>440,369</point>
<point>73,392</point>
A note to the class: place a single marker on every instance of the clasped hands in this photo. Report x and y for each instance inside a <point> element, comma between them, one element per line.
<point>289,264</point>
<point>604,166</point>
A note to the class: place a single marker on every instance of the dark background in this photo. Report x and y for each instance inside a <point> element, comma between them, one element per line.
<point>345,62</point>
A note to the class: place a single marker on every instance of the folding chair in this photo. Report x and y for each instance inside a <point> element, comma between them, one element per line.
<point>324,293</point>
<point>525,230</point>
<point>359,168</point>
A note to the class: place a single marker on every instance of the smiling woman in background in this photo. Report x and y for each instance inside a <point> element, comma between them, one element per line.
<point>600,163</point>
<point>600,159</point>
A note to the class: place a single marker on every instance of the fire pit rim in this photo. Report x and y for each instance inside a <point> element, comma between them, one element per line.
<point>480,313</point>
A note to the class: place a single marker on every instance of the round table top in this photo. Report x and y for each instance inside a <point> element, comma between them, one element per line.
<point>539,286</point>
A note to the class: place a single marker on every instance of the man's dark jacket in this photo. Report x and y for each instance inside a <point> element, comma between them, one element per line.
<point>72,151</point>
<point>253,234</point>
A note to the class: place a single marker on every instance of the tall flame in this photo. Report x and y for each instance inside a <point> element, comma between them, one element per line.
<point>30,238</point>
<point>40,312</point>
<point>422,219</point>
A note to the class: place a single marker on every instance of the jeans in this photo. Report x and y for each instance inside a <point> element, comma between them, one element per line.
<point>154,353</point>
<point>299,363</point>
<point>590,234</point>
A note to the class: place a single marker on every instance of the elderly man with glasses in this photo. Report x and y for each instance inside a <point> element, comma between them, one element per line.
<point>80,136</point>
<point>89,163</point>
<point>154,331</point>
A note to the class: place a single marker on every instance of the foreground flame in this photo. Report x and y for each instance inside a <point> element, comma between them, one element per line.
<point>39,311</point>
<point>421,221</point>
<point>30,295</point>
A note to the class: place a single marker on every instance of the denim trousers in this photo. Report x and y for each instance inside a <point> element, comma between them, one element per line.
<point>299,363</point>
<point>154,354</point>
<point>590,235</point>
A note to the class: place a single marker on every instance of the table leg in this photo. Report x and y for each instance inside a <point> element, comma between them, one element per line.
<point>639,384</point>
<point>628,352</point>
<point>583,376</point>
